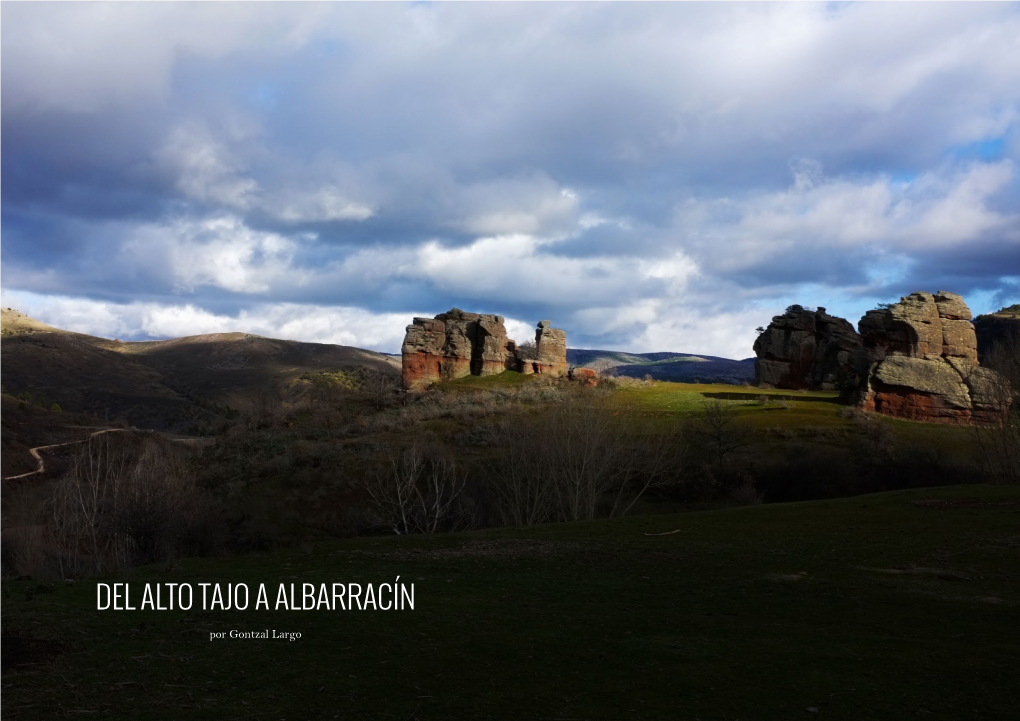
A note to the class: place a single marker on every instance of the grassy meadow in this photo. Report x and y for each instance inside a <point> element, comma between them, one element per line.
<point>895,605</point>
<point>708,600</point>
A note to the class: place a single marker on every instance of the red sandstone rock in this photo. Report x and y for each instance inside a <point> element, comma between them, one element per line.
<point>456,344</point>
<point>919,361</point>
<point>552,350</point>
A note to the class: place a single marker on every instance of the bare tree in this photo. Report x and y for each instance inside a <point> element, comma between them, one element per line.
<point>579,460</point>
<point>381,390</point>
<point>154,506</point>
<point>523,493</point>
<point>83,509</point>
<point>418,492</point>
<point>718,433</point>
<point>582,454</point>
<point>107,513</point>
<point>657,457</point>
<point>528,350</point>
<point>265,408</point>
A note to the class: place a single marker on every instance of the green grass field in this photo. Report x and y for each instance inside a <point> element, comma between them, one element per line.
<point>794,411</point>
<point>891,606</point>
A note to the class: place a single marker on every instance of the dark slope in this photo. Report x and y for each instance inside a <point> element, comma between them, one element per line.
<point>183,384</point>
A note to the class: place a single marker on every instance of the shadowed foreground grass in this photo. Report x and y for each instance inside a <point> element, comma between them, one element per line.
<point>891,606</point>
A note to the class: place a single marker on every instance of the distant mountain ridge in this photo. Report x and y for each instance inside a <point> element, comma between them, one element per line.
<point>665,366</point>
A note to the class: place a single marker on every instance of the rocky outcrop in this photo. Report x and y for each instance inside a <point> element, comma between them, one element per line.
<point>551,352</point>
<point>919,361</point>
<point>997,329</point>
<point>457,344</point>
<point>805,349</point>
<point>586,376</point>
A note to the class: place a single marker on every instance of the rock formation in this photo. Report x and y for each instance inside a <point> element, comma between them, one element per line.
<point>919,361</point>
<point>585,376</point>
<point>552,349</point>
<point>997,328</point>
<point>805,349</point>
<point>456,344</point>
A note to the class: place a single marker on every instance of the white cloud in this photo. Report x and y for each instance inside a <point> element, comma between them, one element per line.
<point>340,325</point>
<point>524,268</point>
<point>483,140</point>
<point>657,325</point>
<point>816,214</point>
<point>532,206</point>
<point>205,170</point>
<point>82,57</point>
<point>219,252</point>
<point>686,329</point>
<point>324,204</point>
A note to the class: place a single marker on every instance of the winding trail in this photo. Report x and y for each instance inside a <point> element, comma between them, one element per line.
<point>42,463</point>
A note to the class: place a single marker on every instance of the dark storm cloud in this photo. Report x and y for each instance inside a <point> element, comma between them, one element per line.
<point>644,174</point>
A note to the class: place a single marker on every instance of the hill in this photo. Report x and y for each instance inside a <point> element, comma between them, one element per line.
<point>13,322</point>
<point>888,606</point>
<point>677,367</point>
<point>181,384</point>
<point>227,368</point>
<point>996,329</point>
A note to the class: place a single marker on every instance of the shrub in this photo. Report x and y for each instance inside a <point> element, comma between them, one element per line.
<point>528,350</point>
<point>745,493</point>
<point>418,492</point>
<point>578,461</point>
<point>109,511</point>
<point>850,413</point>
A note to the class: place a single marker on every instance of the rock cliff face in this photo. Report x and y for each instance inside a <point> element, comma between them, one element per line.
<point>552,349</point>
<point>919,361</point>
<point>805,349</point>
<point>456,344</point>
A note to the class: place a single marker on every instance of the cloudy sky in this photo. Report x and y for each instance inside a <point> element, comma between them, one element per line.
<point>649,176</point>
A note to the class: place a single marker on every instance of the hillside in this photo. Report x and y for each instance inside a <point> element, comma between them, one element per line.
<point>227,367</point>
<point>13,322</point>
<point>181,384</point>
<point>79,374</point>
<point>26,425</point>
<point>996,328</point>
<point>677,367</point>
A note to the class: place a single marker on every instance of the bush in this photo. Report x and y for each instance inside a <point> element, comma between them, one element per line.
<point>418,492</point>
<point>528,350</point>
<point>578,461</point>
<point>745,493</point>
<point>850,413</point>
<point>110,511</point>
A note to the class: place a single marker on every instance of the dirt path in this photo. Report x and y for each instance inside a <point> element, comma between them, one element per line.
<point>42,463</point>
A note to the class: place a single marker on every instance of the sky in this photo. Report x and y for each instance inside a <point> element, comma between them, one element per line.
<point>650,177</point>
